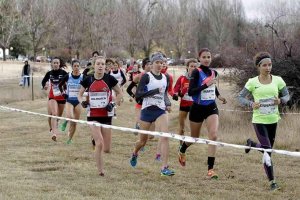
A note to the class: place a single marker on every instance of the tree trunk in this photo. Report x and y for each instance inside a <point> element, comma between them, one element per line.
<point>34,54</point>
<point>4,56</point>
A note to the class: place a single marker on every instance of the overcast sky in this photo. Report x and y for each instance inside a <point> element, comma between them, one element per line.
<point>252,8</point>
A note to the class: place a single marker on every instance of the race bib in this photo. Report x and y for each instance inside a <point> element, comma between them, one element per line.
<point>155,100</point>
<point>209,93</point>
<point>267,106</point>
<point>98,99</point>
<point>73,90</point>
<point>186,97</point>
<point>56,91</point>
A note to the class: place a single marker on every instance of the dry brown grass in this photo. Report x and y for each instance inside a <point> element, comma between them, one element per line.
<point>34,167</point>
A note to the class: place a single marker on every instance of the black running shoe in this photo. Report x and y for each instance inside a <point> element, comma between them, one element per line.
<point>249,144</point>
<point>93,143</point>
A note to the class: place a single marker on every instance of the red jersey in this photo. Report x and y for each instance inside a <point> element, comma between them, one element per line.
<point>99,95</point>
<point>181,87</point>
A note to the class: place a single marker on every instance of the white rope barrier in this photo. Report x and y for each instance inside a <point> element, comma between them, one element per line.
<point>160,134</point>
<point>250,111</point>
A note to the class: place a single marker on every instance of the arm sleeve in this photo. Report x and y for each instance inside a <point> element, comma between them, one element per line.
<point>170,85</point>
<point>62,84</point>
<point>140,91</point>
<point>129,89</point>
<point>113,81</point>
<point>167,100</point>
<point>242,97</point>
<point>193,87</point>
<point>123,77</point>
<point>177,86</point>
<point>45,79</point>
<point>84,82</point>
<point>284,95</point>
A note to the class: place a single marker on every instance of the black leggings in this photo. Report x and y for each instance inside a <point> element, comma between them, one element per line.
<point>266,136</point>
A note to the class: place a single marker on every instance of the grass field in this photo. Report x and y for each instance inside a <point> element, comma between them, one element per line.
<point>34,167</point>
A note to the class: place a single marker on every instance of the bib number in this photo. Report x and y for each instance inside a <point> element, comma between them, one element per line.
<point>56,91</point>
<point>73,91</point>
<point>267,106</point>
<point>98,99</point>
<point>209,93</point>
<point>186,97</point>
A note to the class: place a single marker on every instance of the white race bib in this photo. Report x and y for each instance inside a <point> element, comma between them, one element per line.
<point>209,93</point>
<point>155,100</point>
<point>73,90</point>
<point>186,97</point>
<point>98,99</point>
<point>56,91</point>
<point>267,106</point>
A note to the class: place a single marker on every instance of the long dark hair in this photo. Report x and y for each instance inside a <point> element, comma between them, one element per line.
<point>203,50</point>
<point>62,64</point>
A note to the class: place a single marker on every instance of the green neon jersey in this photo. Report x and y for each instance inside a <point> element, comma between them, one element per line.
<point>265,94</point>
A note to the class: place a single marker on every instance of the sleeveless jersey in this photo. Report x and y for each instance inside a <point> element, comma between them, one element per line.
<point>73,86</point>
<point>208,95</point>
<point>157,99</point>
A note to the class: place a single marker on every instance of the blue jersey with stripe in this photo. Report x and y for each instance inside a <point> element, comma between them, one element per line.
<point>203,79</point>
<point>73,86</point>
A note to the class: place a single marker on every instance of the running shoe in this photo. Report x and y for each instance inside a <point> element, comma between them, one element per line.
<point>133,160</point>
<point>50,131</point>
<point>63,126</point>
<point>101,174</point>
<point>53,137</point>
<point>69,141</point>
<point>167,172</point>
<point>93,144</point>
<point>211,174</point>
<point>181,158</point>
<point>249,144</point>
<point>158,157</point>
<point>274,186</point>
<point>137,125</point>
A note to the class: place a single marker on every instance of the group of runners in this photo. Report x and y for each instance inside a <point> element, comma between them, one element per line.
<point>100,88</point>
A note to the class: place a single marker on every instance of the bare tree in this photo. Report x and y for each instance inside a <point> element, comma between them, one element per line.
<point>40,16</point>
<point>9,17</point>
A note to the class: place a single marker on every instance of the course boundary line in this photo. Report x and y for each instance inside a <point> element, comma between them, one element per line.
<point>160,134</point>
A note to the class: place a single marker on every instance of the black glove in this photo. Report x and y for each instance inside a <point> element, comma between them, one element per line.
<point>84,104</point>
<point>180,94</point>
<point>175,97</point>
<point>110,106</point>
<point>65,96</point>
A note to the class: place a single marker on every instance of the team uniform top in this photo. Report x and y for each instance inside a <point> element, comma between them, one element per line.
<point>73,85</point>
<point>99,94</point>
<point>200,92</point>
<point>55,77</point>
<point>119,75</point>
<point>181,88</point>
<point>265,94</point>
<point>152,89</point>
